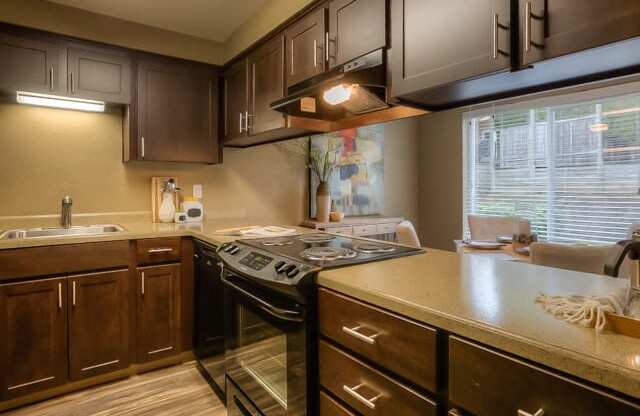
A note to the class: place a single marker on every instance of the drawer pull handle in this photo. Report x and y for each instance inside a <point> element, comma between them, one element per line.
<point>369,339</point>
<point>353,392</point>
<point>160,250</point>
<point>540,412</point>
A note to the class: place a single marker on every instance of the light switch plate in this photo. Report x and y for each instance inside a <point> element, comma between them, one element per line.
<point>197,191</point>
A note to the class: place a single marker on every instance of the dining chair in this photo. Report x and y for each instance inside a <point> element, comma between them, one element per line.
<point>406,234</point>
<point>578,257</point>
<point>489,227</point>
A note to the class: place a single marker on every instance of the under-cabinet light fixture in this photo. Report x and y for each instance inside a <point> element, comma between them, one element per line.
<point>55,101</point>
<point>338,94</point>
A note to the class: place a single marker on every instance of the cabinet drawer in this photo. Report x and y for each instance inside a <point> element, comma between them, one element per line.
<point>330,407</point>
<point>485,382</point>
<point>367,390</point>
<point>67,258</point>
<point>365,229</point>
<point>386,228</point>
<point>402,346</point>
<point>340,230</point>
<point>158,250</point>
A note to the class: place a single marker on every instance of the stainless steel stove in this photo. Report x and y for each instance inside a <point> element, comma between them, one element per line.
<point>270,312</point>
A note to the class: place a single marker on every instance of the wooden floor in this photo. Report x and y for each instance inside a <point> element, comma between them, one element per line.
<point>175,391</point>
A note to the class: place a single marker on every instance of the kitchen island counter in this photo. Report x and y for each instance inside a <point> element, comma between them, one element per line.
<point>492,302</point>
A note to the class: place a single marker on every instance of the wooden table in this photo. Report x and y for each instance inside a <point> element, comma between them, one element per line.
<point>503,253</point>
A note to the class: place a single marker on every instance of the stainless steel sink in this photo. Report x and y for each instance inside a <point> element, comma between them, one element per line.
<point>78,230</point>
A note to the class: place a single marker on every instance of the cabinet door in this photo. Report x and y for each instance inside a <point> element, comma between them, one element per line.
<point>356,27</point>
<point>31,65</point>
<point>236,96</point>
<point>98,323</point>
<point>438,42</point>
<point>177,113</point>
<point>99,76</point>
<point>567,26</point>
<point>33,351</point>
<point>158,312</point>
<point>305,47</point>
<point>266,69</point>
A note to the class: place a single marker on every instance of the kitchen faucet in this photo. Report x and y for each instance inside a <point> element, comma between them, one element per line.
<point>65,217</point>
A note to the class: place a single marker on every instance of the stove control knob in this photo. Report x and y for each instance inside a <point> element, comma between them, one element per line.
<point>234,250</point>
<point>289,268</point>
<point>228,248</point>
<point>279,266</point>
<point>293,272</point>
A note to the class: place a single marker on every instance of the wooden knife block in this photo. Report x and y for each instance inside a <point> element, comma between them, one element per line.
<point>157,183</point>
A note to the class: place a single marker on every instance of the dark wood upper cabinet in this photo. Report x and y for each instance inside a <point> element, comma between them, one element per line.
<point>158,312</point>
<point>32,65</point>
<point>33,324</point>
<point>266,74</point>
<point>567,26</point>
<point>305,43</point>
<point>177,113</point>
<point>440,42</point>
<point>356,27</point>
<point>236,93</point>
<point>99,76</point>
<point>98,323</point>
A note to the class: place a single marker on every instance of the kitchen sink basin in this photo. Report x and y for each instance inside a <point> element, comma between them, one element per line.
<point>78,230</point>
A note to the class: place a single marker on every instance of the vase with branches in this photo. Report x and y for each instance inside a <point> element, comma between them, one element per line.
<point>322,163</point>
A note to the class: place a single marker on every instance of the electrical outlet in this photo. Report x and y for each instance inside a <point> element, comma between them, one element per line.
<point>197,191</point>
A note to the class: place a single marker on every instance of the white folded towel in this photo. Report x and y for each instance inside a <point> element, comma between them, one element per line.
<point>589,311</point>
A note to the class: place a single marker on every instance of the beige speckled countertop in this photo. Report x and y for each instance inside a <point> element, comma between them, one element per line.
<point>492,301</point>
<point>206,231</point>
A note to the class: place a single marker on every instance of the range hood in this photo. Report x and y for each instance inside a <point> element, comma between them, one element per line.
<point>355,88</point>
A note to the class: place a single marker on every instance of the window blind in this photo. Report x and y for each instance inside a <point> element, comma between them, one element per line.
<point>573,170</point>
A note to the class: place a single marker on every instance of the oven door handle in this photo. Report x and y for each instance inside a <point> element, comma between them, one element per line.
<point>284,314</point>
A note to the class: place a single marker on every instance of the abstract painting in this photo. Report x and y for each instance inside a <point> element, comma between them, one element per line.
<point>357,182</point>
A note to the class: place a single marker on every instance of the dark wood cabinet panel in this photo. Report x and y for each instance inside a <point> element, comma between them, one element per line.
<point>485,382</point>
<point>158,250</point>
<point>368,391</point>
<point>552,28</point>
<point>158,312</point>
<point>99,76</point>
<point>440,42</point>
<point>266,73</point>
<point>98,323</point>
<point>33,324</point>
<point>236,93</point>
<point>32,65</point>
<point>66,258</point>
<point>305,46</point>
<point>177,113</point>
<point>330,407</point>
<point>407,348</point>
<point>356,27</point>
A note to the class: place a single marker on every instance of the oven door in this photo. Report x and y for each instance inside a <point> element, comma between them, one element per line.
<point>265,347</point>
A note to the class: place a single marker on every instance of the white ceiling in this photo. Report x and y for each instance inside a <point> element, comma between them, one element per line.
<point>208,19</point>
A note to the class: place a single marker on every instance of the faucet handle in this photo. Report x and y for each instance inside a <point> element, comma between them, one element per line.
<point>67,200</point>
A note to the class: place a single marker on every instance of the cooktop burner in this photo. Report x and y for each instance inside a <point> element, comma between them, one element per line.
<point>277,242</point>
<point>371,248</point>
<point>316,238</point>
<point>328,253</point>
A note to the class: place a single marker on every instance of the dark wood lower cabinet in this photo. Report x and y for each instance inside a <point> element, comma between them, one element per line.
<point>33,328</point>
<point>486,382</point>
<point>330,407</point>
<point>98,323</point>
<point>158,312</point>
<point>366,389</point>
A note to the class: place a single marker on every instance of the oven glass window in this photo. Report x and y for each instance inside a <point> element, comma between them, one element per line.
<point>262,353</point>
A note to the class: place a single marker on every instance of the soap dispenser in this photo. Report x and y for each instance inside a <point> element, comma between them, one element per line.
<point>167,210</point>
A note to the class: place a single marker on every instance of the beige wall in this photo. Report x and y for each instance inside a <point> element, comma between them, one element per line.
<point>68,21</point>
<point>440,179</point>
<point>48,153</point>
<point>270,16</point>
